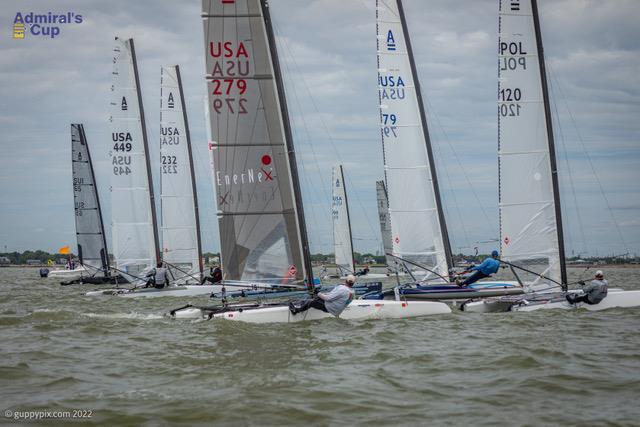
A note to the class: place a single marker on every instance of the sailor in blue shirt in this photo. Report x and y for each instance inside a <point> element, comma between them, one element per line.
<point>486,269</point>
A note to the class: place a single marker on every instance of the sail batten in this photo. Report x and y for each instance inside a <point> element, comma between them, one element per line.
<point>417,221</point>
<point>134,230</point>
<point>260,217</point>
<point>530,219</point>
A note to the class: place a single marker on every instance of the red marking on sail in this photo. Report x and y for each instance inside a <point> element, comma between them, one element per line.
<point>268,176</point>
<point>266,160</point>
<point>506,240</point>
<point>397,239</point>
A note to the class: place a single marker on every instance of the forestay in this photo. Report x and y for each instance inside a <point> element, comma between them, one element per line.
<point>529,225</point>
<point>342,239</point>
<point>92,244</point>
<point>418,229</point>
<point>178,198</point>
<point>134,233</point>
<point>260,220</point>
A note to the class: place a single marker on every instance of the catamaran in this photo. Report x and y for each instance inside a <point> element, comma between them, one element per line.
<point>261,218</point>
<point>90,236</point>
<point>418,228</point>
<point>530,213</point>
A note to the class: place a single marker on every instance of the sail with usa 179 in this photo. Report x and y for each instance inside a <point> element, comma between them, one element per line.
<point>47,24</point>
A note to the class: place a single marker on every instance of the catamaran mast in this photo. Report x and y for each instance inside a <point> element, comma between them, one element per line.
<point>154,221</point>
<point>193,176</point>
<point>297,195</point>
<point>423,118</point>
<point>550,139</point>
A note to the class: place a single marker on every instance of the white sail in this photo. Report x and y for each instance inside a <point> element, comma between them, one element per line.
<point>178,199</point>
<point>528,223</point>
<point>417,228</point>
<point>133,223</point>
<point>262,234</point>
<point>385,222</point>
<point>92,244</point>
<point>342,241</point>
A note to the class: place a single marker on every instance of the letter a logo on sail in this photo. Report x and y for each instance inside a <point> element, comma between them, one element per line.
<point>124,104</point>
<point>391,42</point>
<point>170,102</point>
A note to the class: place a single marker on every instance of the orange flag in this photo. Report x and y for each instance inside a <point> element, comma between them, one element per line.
<point>64,250</point>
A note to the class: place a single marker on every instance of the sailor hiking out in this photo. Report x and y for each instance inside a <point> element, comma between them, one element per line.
<point>333,302</point>
<point>594,292</point>
<point>488,267</point>
<point>215,276</point>
<point>158,277</point>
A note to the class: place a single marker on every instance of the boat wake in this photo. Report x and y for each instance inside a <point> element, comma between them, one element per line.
<point>118,316</point>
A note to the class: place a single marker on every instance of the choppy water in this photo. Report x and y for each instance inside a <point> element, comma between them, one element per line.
<point>125,362</point>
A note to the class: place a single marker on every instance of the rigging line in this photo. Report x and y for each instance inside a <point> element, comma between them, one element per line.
<point>326,130</point>
<point>296,129</point>
<point>586,153</point>
<point>298,137</point>
<point>455,198</point>
<point>568,166</point>
<point>296,98</point>
<point>436,120</point>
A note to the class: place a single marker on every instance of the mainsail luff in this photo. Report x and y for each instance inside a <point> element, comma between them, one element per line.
<point>427,139</point>
<point>134,229</point>
<point>261,222</point>
<point>90,235</point>
<point>342,238</point>
<point>551,141</point>
<point>417,223</point>
<point>180,222</point>
<point>152,200</point>
<point>530,215</point>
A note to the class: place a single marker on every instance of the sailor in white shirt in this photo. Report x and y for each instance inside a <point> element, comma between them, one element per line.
<point>333,302</point>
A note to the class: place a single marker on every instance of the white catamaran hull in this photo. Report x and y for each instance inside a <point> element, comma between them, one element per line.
<point>68,274</point>
<point>172,291</point>
<point>357,310</point>
<point>614,299</point>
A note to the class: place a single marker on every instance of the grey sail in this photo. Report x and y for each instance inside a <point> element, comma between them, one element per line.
<point>260,218</point>
<point>92,245</point>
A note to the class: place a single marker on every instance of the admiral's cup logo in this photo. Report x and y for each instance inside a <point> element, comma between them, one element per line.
<point>46,24</point>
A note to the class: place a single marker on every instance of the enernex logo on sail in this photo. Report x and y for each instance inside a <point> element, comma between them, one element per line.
<point>249,175</point>
<point>47,24</point>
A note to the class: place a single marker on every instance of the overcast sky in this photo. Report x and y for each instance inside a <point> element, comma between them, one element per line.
<point>328,52</point>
